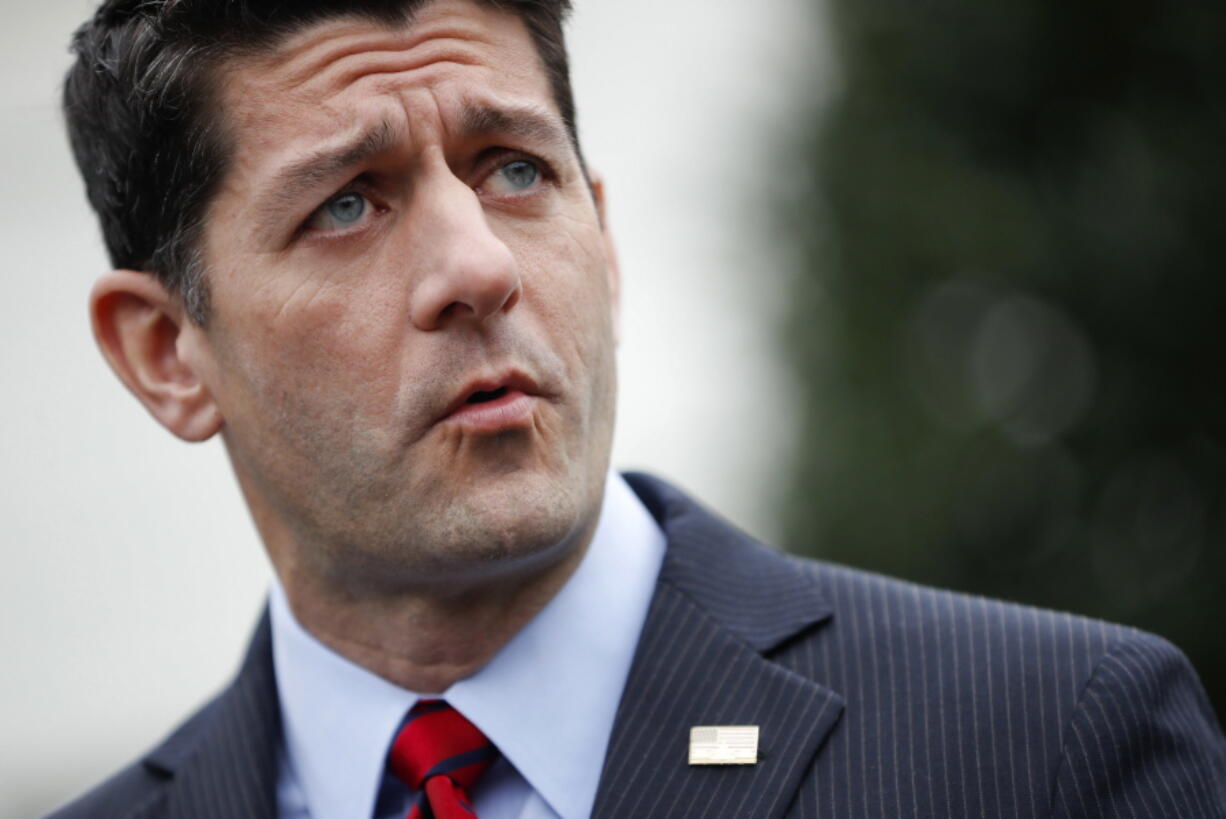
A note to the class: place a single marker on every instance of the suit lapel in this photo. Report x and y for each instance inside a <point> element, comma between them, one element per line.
<point>722,604</point>
<point>224,761</point>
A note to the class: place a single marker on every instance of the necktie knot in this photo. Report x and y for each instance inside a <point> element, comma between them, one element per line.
<point>441,755</point>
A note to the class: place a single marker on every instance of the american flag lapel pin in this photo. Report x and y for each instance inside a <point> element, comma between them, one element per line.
<point>724,745</point>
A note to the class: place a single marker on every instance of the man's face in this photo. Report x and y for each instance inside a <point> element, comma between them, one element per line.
<point>411,338</point>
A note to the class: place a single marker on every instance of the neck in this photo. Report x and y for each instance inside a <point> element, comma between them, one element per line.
<point>425,641</point>
<point>420,630</point>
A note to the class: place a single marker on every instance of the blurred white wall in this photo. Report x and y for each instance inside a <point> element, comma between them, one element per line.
<point>117,537</point>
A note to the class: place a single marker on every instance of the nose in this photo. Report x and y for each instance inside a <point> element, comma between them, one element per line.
<point>468,273</point>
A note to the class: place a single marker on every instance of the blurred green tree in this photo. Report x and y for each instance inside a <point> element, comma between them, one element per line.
<point>1007,325</point>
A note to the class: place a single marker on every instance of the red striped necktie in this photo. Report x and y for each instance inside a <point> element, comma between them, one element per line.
<point>440,755</point>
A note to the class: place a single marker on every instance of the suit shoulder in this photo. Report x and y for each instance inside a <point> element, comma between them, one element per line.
<point>1060,701</point>
<point>125,794</point>
<point>1146,705</point>
<point>966,636</point>
<point>135,790</point>
<point>901,603</point>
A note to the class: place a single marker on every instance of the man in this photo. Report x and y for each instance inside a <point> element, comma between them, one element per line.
<point>359,242</point>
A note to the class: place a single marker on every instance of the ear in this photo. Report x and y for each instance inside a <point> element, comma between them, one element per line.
<point>610,252</point>
<point>141,330</point>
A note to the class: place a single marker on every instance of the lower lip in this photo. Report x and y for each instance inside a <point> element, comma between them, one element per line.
<point>512,410</point>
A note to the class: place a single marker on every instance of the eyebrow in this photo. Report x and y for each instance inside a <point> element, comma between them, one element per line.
<point>523,122</point>
<point>285,190</point>
<point>330,161</point>
<point>289,184</point>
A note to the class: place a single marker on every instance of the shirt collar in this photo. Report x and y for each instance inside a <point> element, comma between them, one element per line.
<point>547,699</point>
<point>338,718</point>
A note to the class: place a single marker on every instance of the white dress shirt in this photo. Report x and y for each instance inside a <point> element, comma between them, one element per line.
<point>547,699</point>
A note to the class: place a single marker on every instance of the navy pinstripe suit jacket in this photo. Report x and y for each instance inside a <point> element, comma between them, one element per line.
<point>874,698</point>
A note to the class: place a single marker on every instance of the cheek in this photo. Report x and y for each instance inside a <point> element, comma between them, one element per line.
<point>566,279</point>
<point>566,289</point>
<point>324,346</point>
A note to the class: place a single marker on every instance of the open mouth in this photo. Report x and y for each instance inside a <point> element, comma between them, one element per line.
<point>485,396</point>
<point>494,404</point>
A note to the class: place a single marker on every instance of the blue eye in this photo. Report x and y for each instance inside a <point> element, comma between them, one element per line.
<point>347,208</point>
<point>520,174</point>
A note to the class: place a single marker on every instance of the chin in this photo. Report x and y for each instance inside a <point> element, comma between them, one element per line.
<point>505,527</point>
<point>517,518</point>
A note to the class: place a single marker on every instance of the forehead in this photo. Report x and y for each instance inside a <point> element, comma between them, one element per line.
<point>340,75</point>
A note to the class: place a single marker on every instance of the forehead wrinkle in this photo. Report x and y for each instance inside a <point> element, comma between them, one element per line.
<point>360,65</point>
<point>331,45</point>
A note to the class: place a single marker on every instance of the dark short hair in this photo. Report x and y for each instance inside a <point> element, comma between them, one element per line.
<point>140,103</point>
